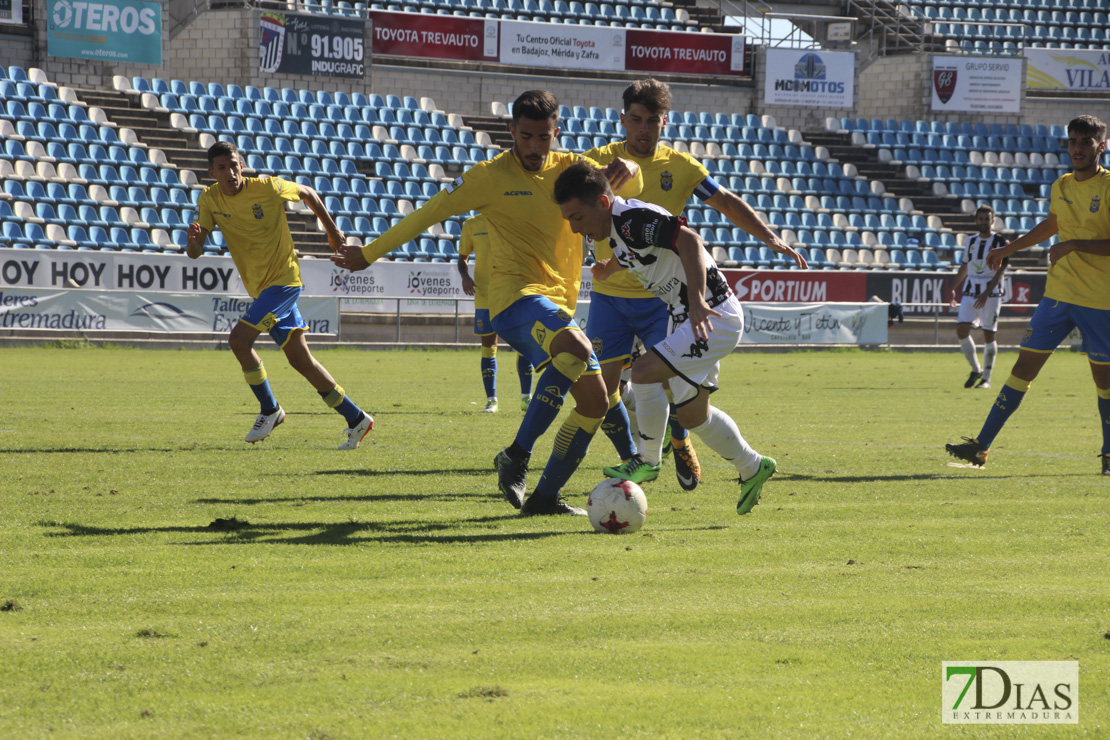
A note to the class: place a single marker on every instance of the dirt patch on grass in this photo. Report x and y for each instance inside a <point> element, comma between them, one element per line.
<point>228,525</point>
<point>489,693</point>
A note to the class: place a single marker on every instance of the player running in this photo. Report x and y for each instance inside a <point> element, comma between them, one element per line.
<point>1077,291</point>
<point>475,239</point>
<point>533,290</point>
<point>670,260</point>
<point>621,309</point>
<point>250,212</point>
<point>977,289</point>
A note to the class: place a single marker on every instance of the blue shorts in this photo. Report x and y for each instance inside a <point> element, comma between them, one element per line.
<point>483,327</point>
<point>275,312</point>
<point>530,325</point>
<point>614,324</point>
<point>1053,321</point>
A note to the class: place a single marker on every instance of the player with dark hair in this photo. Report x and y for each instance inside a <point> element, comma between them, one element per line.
<point>1077,290</point>
<point>475,240</point>
<point>671,261</point>
<point>533,290</point>
<point>977,290</point>
<point>620,307</point>
<point>250,212</point>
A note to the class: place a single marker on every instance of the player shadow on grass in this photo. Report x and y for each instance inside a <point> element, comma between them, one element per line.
<point>320,533</point>
<point>840,478</point>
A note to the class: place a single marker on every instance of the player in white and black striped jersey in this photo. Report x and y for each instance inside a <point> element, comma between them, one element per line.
<point>978,291</point>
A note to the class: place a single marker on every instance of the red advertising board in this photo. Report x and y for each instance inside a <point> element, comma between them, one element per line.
<point>797,286</point>
<point>433,36</point>
<point>684,53</point>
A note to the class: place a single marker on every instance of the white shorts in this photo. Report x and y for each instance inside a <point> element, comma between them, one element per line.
<point>985,318</point>
<point>698,364</point>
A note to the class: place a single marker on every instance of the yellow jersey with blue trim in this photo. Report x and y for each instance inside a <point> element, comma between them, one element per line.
<point>670,178</point>
<point>1082,211</point>
<point>256,231</point>
<point>532,250</point>
<point>475,240</point>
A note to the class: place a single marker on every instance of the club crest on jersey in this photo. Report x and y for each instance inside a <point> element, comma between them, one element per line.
<point>1095,204</point>
<point>257,210</point>
<point>666,181</point>
<point>626,230</point>
<point>563,315</point>
<point>597,346</point>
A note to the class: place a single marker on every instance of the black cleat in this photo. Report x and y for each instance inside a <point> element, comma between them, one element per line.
<point>511,475</point>
<point>971,451</point>
<point>548,506</point>
<point>686,466</point>
<point>972,379</point>
<point>1105,464</point>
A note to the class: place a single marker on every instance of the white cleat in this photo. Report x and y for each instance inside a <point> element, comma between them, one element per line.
<point>491,406</point>
<point>356,433</point>
<point>263,425</point>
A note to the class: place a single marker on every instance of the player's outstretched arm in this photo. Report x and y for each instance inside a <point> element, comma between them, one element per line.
<point>464,273</point>
<point>737,210</point>
<point>1041,232</point>
<point>311,198</point>
<point>197,236</point>
<point>1089,246</point>
<point>957,286</point>
<point>691,250</point>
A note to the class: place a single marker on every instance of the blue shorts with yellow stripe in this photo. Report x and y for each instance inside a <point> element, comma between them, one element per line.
<point>483,327</point>
<point>615,323</point>
<point>1054,320</point>
<point>275,312</point>
<point>530,325</point>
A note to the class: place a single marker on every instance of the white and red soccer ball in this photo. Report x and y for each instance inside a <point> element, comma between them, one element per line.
<point>617,506</point>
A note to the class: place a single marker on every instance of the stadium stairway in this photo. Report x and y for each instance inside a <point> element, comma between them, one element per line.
<point>706,18</point>
<point>183,151</point>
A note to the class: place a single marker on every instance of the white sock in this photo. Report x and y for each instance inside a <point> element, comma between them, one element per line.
<point>967,345</point>
<point>722,436</point>
<point>990,352</point>
<point>652,411</point>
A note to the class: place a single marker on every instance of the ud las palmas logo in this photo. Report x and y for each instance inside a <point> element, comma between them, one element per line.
<point>1010,692</point>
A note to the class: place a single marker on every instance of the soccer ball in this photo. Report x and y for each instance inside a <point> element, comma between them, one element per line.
<point>617,506</point>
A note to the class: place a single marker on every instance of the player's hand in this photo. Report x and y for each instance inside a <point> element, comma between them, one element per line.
<point>699,319</point>
<point>982,299</point>
<point>1058,251</point>
<point>954,301</point>
<point>468,284</point>
<point>793,254</point>
<point>337,240</point>
<point>995,257</point>
<point>619,172</point>
<point>194,231</point>
<point>350,258</point>
<point>601,269</point>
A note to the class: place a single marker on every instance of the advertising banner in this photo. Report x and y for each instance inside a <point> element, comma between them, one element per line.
<point>562,45</point>
<point>108,31</point>
<point>825,79</point>
<point>434,36</point>
<point>1078,70</point>
<point>11,12</point>
<point>684,53</point>
<point>976,84</point>
<point>314,45</point>
<point>815,323</point>
<point>92,310</point>
<point>797,286</point>
<point>906,288</point>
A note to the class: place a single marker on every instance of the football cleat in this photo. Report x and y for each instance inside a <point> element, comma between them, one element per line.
<point>984,384</point>
<point>969,451</point>
<point>263,425</point>
<point>974,376</point>
<point>686,466</point>
<point>511,476</point>
<point>491,406</point>
<point>524,401</point>
<point>752,488</point>
<point>1105,464</point>
<point>357,432</point>
<point>668,442</point>
<point>549,506</point>
<point>635,469</point>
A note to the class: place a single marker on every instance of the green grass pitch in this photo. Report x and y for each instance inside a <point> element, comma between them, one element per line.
<point>391,592</point>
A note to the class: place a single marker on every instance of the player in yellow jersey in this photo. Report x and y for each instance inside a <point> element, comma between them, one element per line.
<point>621,309</point>
<point>1077,290</point>
<point>475,240</point>
<point>250,212</point>
<point>533,289</point>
